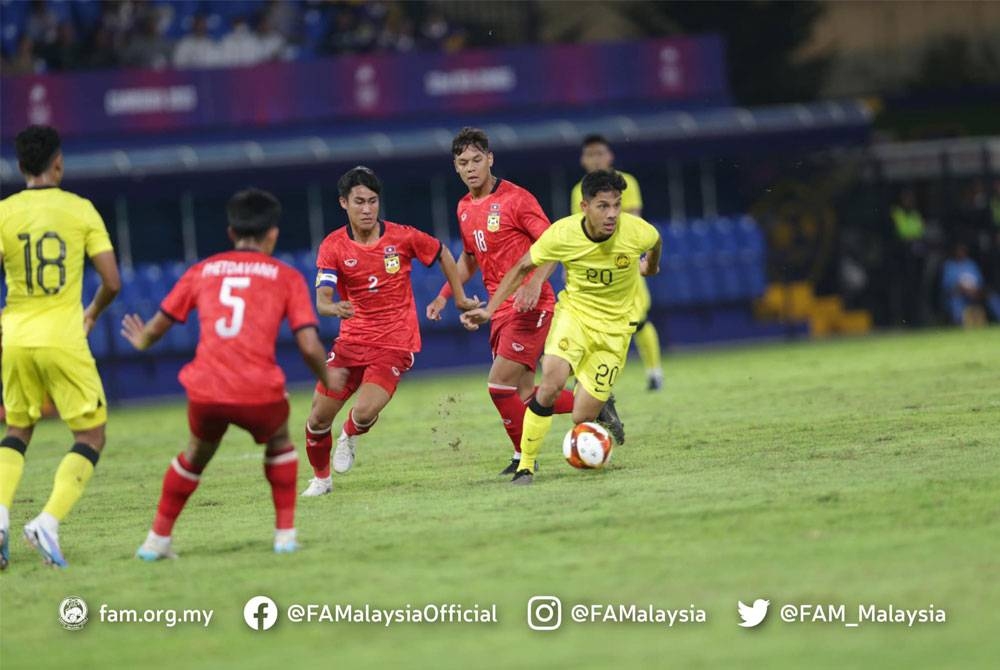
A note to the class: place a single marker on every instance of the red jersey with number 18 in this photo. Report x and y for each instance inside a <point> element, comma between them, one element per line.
<point>376,281</point>
<point>241,298</point>
<point>498,230</point>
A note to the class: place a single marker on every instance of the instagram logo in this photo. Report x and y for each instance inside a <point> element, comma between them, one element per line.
<point>544,613</point>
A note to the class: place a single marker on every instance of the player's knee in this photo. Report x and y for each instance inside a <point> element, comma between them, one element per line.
<point>95,437</point>
<point>581,415</point>
<point>546,393</point>
<point>318,424</point>
<point>364,414</point>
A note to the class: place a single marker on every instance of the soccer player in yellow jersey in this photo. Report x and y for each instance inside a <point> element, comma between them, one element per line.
<point>595,314</point>
<point>596,155</point>
<point>45,233</point>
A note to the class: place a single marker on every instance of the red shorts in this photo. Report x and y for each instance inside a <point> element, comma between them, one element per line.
<point>209,421</point>
<point>520,336</point>
<point>366,365</point>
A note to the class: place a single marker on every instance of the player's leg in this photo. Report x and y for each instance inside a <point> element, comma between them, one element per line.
<point>538,415</point>
<point>647,340</point>
<point>368,404</point>
<point>281,468</point>
<point>208,424</point>
<point>507,381</point>
<point>71,380</point>
<point>596,375</point>
<point>319,441</point>
<point>23,394</point>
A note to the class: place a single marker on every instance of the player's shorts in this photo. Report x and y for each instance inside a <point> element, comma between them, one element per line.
<point>68,376</point>
<point>643,301</point>
<point>520,336</point>
<point>366,365</point>
<point>596,356</point>
<point>209,421</point>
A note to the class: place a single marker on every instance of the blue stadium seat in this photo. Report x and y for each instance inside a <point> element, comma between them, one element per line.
<point>87,14</point>
<point>722,235</point>
<point>315,24</point>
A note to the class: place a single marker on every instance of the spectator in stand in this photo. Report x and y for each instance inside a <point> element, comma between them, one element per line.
<point>64,53</point>
<point>24,61</point>
<point>147,47</point>
<point>910,249</point>
<point>43,24</point>
<point>244,47</point>
<point>101,53</point>
<point>197,49</point>
<point>965,292</point>
<point>398,32</point>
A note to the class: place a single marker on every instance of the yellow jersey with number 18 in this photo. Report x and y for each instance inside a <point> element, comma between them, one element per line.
<point>44,235</point>
<point>601,275</point>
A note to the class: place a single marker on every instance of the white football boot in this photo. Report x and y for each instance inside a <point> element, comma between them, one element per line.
<point>155,548</point>
<point>286,541</point>
<point>42,533</point>
<point>343,455</point>
<point>318,486</point>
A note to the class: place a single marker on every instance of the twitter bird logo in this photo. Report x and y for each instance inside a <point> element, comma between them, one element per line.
<point>752,616</point>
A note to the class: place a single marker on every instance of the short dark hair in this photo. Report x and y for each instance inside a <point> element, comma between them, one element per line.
<point>595,138</point>
<point>602,180</point>
<point>470,137</point>
<point>37,147</point>
<point>252,212</point>
<point>358,176</point>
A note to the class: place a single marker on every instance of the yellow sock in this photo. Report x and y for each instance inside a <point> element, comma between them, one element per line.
<point>536,427</point>
<point>647,341</point>
<point>11,467</point>
<point>71,478</point>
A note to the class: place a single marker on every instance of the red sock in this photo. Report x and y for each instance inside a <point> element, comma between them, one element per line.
<point>564,401</point>
<point>511,409</point>
<point>178,484</point>
<point>353,428</point>
<point>318,446</point>
<point>281,470</point>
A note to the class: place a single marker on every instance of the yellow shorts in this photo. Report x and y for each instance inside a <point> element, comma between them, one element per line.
<point>643,300</point>
<point>68,376</point>
<point>597,357</point>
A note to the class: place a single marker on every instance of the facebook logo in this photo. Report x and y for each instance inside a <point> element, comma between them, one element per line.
<point>260,613</point>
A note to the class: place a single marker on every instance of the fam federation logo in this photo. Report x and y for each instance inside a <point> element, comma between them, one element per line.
<point>73,613</point>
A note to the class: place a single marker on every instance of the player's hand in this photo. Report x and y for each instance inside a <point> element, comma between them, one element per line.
<point>474,318</point>
<point>645,270</point>
<point>465,304</point>
<point>88,323</point>
<point>435,308</point>
<point>336,379</point>
<point>133,330</point>
<point>343,309</point>
<point>526,297</point>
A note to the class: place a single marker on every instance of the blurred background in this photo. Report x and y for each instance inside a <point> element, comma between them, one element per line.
<point>816,168</point>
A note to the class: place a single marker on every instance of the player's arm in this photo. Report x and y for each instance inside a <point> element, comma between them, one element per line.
<point>111,284</point>
<point>467,266</point>
<point>144,335</point>
<point>313,353</point>
<point>650,265</point>
<point>327,305</point>
<point>450,270</point>
<point>473,318</point>
<point>526,297</point>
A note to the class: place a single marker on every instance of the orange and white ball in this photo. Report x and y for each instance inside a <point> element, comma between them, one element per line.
<point>587,446</point>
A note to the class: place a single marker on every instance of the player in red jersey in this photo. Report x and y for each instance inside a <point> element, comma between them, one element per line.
<point>241,296</point>
<point>499,221</point>
<point>368,262</point>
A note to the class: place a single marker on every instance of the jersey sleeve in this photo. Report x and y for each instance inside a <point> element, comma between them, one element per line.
<point>182,297</point>
<point>298,307</point>
<point>547,247</point>
<point>575,196</point>
<point>426,248</point>
<point>632,197</point>
<point>530,217</point>
<point>97,239</point>
<point>327,266</point>
<point>648,235</point>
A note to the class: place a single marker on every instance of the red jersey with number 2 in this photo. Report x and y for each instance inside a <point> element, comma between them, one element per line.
<point>498,230</point>
<point>242,298</point>
<point>376,281</point>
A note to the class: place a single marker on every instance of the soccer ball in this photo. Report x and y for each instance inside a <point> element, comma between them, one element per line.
<point>587,446</point>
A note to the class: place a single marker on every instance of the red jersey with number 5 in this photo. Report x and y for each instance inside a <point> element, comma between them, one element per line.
<point>242,298</point>
<point>498,230</point>
<point>376,281</point>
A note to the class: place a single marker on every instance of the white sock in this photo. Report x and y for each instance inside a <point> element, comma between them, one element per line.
<point>158,540</point>
<point>48,522</point>
<point>517,455</point>
<point>4,517</point>
<point>284,535</point>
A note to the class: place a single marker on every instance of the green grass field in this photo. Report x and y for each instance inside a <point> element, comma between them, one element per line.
<point>851,471</point>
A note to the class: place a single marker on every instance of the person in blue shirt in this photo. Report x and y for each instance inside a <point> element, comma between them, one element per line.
<point>963,286</point>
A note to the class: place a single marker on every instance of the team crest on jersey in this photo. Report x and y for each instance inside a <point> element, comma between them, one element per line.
<point>465,215</point>
<point>623,261</point>
<point>493,222</point>
<point>351,262</point>
<point>564,343</point>
<point>391,260</point>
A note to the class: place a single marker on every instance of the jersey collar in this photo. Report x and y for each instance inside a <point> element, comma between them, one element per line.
<point>583,226</point>
<point>381,229</point>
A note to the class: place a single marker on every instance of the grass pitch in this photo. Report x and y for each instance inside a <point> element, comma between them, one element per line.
<point>855,471</point>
